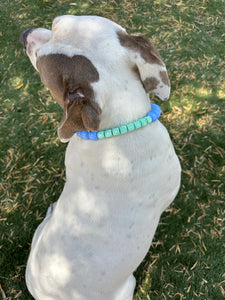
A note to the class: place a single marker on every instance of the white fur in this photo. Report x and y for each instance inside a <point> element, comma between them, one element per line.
<point>116,189</point>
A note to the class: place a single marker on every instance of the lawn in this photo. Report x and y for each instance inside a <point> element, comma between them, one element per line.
<point>187,257</point>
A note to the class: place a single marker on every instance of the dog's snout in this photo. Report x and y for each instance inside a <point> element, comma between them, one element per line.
<point>23,37</point>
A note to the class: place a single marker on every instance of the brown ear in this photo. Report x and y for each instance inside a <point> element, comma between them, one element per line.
<point>79,114</point>
<point>69,80</point>
<point>149,64</point>
<point>90,115</point>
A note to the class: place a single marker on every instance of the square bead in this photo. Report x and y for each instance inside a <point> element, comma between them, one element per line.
<point>138,124</point>
<point>101,135</point>
<point>149,119</point>
<point>130,127</point>
<point>115,131</point>
<point>144,122</point>
<point>108,133</point>
<point>123,129</point>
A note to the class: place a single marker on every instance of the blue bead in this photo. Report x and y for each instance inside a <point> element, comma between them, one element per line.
<point>83,134</point>
<point>153,116</point>
<point>93,135</point>
<point>156,108</point>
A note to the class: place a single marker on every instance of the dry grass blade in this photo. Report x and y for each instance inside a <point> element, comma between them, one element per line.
<point>2,293</point>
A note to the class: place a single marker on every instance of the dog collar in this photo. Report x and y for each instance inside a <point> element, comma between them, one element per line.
<point>152,116</point>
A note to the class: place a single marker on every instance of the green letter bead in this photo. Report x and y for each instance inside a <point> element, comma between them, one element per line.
<point>149,119</point>
<point>123,129</point>
<point>138,124</point>
<point>101,135</point>
<point>108,133</point>
<point>144,121</point>
<point>115,131</point>
<point>130,127</point>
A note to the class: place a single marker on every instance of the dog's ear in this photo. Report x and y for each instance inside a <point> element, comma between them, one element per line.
<point>148,63</point>
<point>80,113</point>
<point>69,80</point>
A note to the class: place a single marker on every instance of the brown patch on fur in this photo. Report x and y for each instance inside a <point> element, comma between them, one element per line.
<point>142,45</point>
<point>69,81</point>
<point>164,77</point>
<point>150,84</point>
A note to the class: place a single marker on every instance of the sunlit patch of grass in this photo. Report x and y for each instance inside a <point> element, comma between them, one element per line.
<point>221,94</point>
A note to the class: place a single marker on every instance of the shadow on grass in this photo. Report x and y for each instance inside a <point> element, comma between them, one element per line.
<point>184,259</point>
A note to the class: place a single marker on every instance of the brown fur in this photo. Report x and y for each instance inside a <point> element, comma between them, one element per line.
<point>150,83</point>
<point>142,45</point>
<point>69,81</point>
<point>164,77</point>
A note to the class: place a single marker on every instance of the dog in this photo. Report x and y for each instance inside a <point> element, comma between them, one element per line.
<point>122,171</point>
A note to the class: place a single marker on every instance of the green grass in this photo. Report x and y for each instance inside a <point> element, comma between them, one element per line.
<point>187,257</point>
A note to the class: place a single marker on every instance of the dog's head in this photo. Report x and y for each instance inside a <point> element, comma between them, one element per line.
<point>84,61</point>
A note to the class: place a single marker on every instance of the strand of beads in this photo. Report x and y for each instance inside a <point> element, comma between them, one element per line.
<point>152,116</point>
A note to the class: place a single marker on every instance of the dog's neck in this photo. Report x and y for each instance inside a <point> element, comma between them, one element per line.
<point>121,101</point>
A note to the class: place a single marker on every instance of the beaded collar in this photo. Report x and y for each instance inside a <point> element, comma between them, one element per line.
<point>152,116</point>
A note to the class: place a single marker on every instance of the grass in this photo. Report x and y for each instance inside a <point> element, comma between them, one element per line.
<point>187,257</point>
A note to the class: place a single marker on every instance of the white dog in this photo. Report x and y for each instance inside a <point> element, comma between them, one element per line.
<point>121,168</point>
